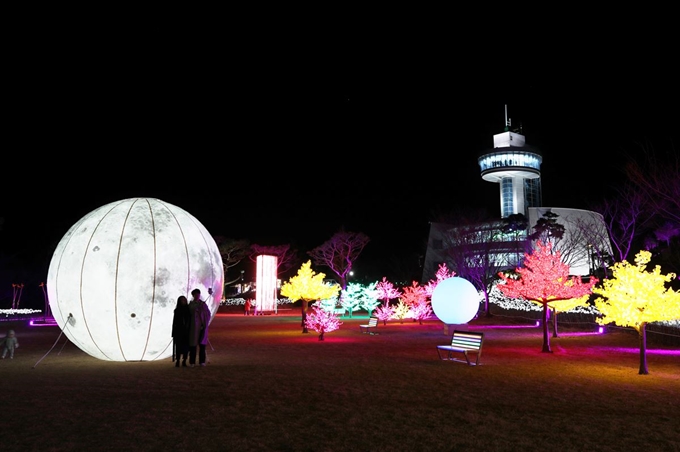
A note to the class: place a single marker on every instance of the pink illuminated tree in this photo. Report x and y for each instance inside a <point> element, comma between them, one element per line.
<point>386,291</point>
<point>339,253</point>
<point>421,310</point>
<point>308,286</point>
<point>442,273</point>
<point>413,296</point>
<point>384,313</point>
<point>543,279</point>
<point>322,321</point>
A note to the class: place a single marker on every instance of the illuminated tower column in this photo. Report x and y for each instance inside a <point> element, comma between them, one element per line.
<point>265,284</point>
<point>517,168</point>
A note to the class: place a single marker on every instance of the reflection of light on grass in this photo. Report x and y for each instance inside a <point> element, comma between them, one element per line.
<point>636,351</point>
<point>507,327</point>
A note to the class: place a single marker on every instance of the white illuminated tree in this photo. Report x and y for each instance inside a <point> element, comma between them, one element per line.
<point>351,298</point>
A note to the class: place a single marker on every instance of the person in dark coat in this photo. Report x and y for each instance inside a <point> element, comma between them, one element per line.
<point>181,325</point>
<point>198,332</point>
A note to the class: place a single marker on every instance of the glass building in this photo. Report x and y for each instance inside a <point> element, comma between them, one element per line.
<point>517,168</point>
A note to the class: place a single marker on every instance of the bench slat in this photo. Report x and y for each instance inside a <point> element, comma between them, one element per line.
<point>463,342</point>
<point>372,325</point>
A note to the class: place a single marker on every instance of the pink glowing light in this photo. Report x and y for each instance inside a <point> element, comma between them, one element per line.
<point>265,289</point>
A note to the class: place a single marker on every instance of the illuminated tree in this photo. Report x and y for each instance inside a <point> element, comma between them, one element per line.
<point>328,304</point>
<point>558,306</point>
<point>384,312</point>
<point>322,321</point>
<point>339,253</point>
<point>413,296</point>
<point>354,297</point>
<point>369,297</point>
<point>544,279</point>
<point>477,249</point>
<point>634,297</point>
<point>401,311</point>
<point>421,310</point>
<point>442,273</point>
<point>308,286</point>
<point>387,291</point>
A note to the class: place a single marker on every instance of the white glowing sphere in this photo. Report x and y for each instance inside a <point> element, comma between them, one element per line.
<point>455,301</point>
<point>114,278</point>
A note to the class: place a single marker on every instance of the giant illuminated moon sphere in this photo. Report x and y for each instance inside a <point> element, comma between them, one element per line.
<point>114,278</point>
<point>455,301</point>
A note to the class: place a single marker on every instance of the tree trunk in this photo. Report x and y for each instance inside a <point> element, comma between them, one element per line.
<point>546,336</point>
<point>304,316</point>
<point>554,322</point>
<point>643,348</point>
<point>321,336</point>
<point>487,306</point>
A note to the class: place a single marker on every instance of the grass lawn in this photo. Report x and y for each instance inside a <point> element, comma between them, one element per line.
<point>268,387</point>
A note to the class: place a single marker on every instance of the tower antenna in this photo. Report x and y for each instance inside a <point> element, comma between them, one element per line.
<point>507,121</point>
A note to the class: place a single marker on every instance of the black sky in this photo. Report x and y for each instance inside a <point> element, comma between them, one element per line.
<point>276,151</point>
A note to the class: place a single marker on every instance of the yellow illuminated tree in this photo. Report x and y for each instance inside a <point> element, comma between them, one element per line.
<point>308,286</point>
<point>635,297</point>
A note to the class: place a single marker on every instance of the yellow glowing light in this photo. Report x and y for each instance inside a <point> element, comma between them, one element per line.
<point>115,276</point>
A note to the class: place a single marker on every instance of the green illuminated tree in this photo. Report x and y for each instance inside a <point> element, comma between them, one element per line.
<point>308,286</point>
<point>635,297</point>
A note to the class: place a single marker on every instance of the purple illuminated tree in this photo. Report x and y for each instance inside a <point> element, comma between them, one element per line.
<point>339,253</point>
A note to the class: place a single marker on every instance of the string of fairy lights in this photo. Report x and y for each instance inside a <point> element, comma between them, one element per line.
<point>496,297</point>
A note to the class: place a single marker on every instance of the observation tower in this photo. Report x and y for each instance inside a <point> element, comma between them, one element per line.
<point>516,166</point>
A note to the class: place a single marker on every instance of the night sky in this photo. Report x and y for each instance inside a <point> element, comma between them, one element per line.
<point>267,151</point>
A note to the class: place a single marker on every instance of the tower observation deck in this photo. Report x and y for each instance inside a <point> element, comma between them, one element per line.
<point>517,168</point>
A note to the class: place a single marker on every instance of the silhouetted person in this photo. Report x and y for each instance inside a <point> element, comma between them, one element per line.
<point>198,333</point>
<point>181,326</point>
